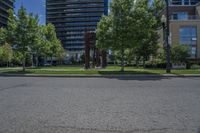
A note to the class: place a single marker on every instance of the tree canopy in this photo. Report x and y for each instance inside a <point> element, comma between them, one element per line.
<point>130,26</point>
<point>26,37</point>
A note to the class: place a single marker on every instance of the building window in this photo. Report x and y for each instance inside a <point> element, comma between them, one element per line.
<point>176,2</point>
<point>180,16</point>
<point>184,2</point>
<point>188,36</point>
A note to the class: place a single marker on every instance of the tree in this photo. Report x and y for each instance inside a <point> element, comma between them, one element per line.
<point>59,51</point>
<point>114,30</point>
<point>17,58</point>
<point>11,28</point>
<point>179,53</point>
<point>56,49</point>
<point>2,36</point>
<point>28,38</point>
<point>22,31</point>
<point>1,55</point>
<point>146,35</point>
<point>41,48</point>
<point>104,33</point>
<point>129,56</point>
<point>6,54</point>
<point>156,7</point>
<point>147,47</point>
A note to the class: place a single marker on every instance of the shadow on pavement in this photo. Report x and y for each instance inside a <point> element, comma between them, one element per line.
<point>125,72</point>
<point>139,77</point>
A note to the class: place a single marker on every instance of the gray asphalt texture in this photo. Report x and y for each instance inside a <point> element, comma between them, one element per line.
<point>99,105</point>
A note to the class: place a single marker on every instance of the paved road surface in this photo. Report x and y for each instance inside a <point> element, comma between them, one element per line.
<point>99,105</point>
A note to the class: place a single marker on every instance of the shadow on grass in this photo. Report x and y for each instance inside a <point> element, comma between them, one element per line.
<point>132,75</point>
<point>19,72</point>
<point>126,75</point>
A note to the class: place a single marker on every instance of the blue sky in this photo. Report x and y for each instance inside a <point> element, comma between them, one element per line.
<point>34,6</point>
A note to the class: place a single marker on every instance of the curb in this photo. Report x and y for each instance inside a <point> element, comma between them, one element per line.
<point>102,76</point>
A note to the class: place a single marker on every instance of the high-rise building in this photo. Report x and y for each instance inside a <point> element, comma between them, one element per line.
<point>5,5</point>
<point>185,25</point>
<point>72,18</point>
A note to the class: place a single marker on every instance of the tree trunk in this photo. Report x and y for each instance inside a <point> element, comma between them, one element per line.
<point>143,63</point>
<point>122,68</point>
<point>137,61</point>
<point>37,61</point>
<point>104,59</point>
<point>32,60</point>
<point>122,60</point>
<point>24,64</point>
<point>51,60</point>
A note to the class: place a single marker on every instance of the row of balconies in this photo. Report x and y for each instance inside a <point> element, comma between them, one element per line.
<point>76,25</point>
<point>74,7</point>
<point>5,16</point>
<point>49,3</point>
<point>190,17</point>
<point>68,20</point>
<point>183,2</point>
<point>61,21</point>
<point>8,3</point>
<point>75,11</point>
<point>77,29</point>
<point>2,21</point>
<point>80,14</point>
<point>70,33</point>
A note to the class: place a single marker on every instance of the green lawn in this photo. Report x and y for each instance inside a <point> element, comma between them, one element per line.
<point>80,70</point>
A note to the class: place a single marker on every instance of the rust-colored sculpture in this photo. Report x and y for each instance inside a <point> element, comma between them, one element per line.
<point>98,57</point>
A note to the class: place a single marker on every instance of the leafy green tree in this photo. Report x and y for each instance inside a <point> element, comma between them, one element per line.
<point>146,34</point>
<point>104,33</point>
<point>54,44</point>
<point>11,28</point>
<point>114,30</point>
<point>22,31</point>
<point>41,48</point>
<point>27,37</point>
<point>130,27</point>
<point>129,56</point>
<point>17,58</point>
<point>123,34</point>
<point>2,36</point>
<point>6,54</point>
<point>156,7</point>
<point>179,53</point>
<point>1,54</point>
<point>59,51</point>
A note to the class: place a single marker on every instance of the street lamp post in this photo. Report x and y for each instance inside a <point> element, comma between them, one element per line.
<point>165,21</point>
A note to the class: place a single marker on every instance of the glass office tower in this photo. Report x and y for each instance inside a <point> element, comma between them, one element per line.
<point>72,18</point>
<point>5,5</point>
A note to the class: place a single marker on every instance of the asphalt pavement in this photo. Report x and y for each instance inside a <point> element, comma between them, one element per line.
<point>100,105</point>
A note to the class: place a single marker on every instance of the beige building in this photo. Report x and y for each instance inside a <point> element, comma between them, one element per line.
<point>185,25</point>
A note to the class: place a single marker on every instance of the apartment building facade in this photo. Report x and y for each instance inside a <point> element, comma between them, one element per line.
<point>5,5</point>
<point>185,25</point>
<point>72,19</point>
